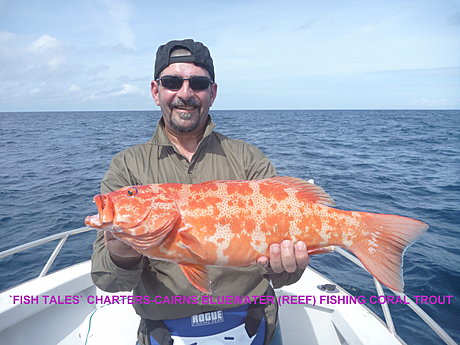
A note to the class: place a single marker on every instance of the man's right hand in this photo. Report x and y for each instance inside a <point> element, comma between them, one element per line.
<point>121,254</point>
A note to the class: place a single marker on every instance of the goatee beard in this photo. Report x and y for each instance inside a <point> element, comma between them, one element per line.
<point>184,115</point>
<point>189,127</point>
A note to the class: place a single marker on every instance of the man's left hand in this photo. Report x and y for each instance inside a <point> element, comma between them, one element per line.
<point>286,257</point>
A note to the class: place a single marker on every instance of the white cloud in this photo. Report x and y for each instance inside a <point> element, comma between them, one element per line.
<point>45,43</point>
<point>74,89</point>
<point>128,89</point>
<point>50,50</point>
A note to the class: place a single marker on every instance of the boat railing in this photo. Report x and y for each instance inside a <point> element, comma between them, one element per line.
<point>63,236</point>
<point>412,305</point>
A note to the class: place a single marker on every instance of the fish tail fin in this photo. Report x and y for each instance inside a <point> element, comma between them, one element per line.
<point>382,244</point>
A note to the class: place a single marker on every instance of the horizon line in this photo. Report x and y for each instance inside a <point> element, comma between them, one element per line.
<point>273,109</point>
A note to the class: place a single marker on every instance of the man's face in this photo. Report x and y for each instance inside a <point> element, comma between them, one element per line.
<point>184,110</point>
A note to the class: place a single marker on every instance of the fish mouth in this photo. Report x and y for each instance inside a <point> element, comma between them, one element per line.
<point>105,208</point>
<point>108,219</point>
<point>105,214</point>
<point>94,222</point>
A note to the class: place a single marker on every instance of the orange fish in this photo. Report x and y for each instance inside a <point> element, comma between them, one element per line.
<point>233,223</point>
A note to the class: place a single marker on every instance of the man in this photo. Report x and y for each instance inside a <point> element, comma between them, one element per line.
<point>186,149</point>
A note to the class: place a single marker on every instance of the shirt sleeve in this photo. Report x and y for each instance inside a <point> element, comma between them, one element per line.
<point>118,175</point>
<point>104,272</point>
<point>258,166</point>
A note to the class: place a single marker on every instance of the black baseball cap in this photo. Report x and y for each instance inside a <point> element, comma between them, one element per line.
<point>200,56</point>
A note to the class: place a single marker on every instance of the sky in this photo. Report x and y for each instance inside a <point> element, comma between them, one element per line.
<point>84,55</point>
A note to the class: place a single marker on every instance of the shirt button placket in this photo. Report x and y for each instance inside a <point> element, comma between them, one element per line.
<point>190,172</point>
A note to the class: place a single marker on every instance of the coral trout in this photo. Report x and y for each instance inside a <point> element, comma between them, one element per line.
<point>233,223</point>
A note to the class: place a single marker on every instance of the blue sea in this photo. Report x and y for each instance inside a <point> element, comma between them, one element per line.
<point>404,162</point>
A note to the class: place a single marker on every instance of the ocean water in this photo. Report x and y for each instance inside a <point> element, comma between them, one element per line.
<point>404,162</point>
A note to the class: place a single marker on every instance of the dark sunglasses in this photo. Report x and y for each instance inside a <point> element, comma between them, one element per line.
<point>172,82</point>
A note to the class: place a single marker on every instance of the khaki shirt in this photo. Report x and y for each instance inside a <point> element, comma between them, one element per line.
<point>158,161</point>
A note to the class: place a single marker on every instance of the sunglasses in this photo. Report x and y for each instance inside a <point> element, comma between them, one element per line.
<point>175,83</point>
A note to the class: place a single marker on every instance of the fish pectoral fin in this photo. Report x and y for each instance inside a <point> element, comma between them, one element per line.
<point>193,245</point>
<point>197,275</point>
<point>161,225</point>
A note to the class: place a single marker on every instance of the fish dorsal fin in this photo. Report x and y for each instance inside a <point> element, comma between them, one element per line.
<point>197,275</point>
<point>306,190</point>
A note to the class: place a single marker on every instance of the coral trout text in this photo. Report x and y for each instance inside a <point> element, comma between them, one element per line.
<point>328,299</point>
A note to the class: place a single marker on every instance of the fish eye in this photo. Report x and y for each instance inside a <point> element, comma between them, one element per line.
<point>131,191</point>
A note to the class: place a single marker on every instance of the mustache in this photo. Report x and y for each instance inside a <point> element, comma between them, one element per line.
<point>185,102</point>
